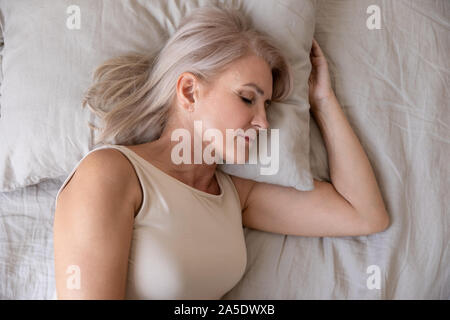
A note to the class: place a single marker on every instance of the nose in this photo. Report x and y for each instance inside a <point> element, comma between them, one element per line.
<point>260,119</point>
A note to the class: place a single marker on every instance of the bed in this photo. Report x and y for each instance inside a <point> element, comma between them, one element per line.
<point>392,79</point>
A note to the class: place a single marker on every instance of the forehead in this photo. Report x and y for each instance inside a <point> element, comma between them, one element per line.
<point>249,69</point>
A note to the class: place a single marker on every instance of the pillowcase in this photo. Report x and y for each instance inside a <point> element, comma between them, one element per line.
<point>1,57</point>
<point>50,55</point>
<point>291,27</point>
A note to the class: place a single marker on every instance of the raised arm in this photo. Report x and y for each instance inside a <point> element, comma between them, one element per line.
<point>349,206</point>
<point>350,169</point>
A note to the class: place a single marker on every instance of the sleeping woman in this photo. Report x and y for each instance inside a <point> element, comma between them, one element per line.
<point>134,224</point>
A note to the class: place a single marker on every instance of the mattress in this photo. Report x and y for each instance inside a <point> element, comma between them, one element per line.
<point>393,85</point>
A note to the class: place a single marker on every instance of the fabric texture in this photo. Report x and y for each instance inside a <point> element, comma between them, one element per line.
<point>2,44</point>
<point>186,243</point>
<point>47,68</point>
<point>392,84</point>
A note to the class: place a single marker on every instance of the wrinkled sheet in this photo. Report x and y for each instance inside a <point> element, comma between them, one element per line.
<point>26,241</point>
<point>393,85</point>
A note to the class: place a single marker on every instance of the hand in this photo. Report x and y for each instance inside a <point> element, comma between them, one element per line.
<point>319,80</point>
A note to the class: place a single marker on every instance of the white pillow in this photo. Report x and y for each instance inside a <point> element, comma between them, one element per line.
<point>47,67</point>
<point>1,57</point>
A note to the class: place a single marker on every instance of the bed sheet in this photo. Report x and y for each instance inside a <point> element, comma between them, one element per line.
<point>393,85</point>
<point>26,241</point>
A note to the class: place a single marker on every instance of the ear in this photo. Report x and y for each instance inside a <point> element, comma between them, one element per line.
<point>186,87</point>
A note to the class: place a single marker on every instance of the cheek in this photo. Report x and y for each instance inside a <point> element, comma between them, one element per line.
<point>236,115</point>
<point>228,114</point>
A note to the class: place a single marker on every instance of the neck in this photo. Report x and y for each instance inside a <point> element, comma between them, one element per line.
<point>198,176</point>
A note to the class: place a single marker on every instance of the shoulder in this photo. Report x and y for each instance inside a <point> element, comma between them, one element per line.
<point>108,172</point>
<point>243,187</point>
<point>93,226</point>
<point>110,164</point>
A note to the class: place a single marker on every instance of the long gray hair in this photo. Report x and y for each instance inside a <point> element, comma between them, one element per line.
<point>132,94</point>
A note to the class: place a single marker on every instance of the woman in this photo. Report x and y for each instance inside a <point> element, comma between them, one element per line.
<point>133,224</point>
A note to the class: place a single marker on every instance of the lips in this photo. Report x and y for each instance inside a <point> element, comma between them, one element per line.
<point>247,138</point>
<point>250,138</point>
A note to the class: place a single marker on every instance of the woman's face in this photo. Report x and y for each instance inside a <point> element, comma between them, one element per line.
<point>236,99</point>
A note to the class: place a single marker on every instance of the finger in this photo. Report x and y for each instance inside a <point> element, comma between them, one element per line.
<point>316,48</point>
<point>315,43</point>
<point>314,51</point>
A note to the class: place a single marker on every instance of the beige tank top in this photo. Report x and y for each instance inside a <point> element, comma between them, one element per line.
<point>187,244</point>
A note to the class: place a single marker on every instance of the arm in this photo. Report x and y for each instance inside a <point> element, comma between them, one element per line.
<point>350,169</point>
<point>93,227</point>
<point>352,205</point>
<point>321,212</point>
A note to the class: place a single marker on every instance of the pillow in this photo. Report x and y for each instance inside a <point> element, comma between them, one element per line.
<point>292,28</point>
<point>50,55</point>
<point>1,57</point>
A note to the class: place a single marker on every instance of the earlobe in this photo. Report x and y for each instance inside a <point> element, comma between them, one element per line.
<point>185,105</point>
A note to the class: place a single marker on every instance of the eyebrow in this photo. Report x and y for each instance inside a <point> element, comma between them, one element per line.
<point>258,89</point>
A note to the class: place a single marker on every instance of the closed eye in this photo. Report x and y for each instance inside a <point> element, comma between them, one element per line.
<point>266,106</point>
<point>248,101</point>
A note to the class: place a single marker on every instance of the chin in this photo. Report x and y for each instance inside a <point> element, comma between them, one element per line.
<point>242,159</point>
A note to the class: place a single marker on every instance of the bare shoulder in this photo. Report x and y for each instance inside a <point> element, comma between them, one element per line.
<point>243,187</point>
<point>93,226</point>
<point>111,169</point>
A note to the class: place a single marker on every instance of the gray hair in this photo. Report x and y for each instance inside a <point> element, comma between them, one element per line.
<point>132,94</point>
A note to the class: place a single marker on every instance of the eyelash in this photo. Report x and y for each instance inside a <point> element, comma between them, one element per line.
<point>250,102</point>
<point>247,101</point>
